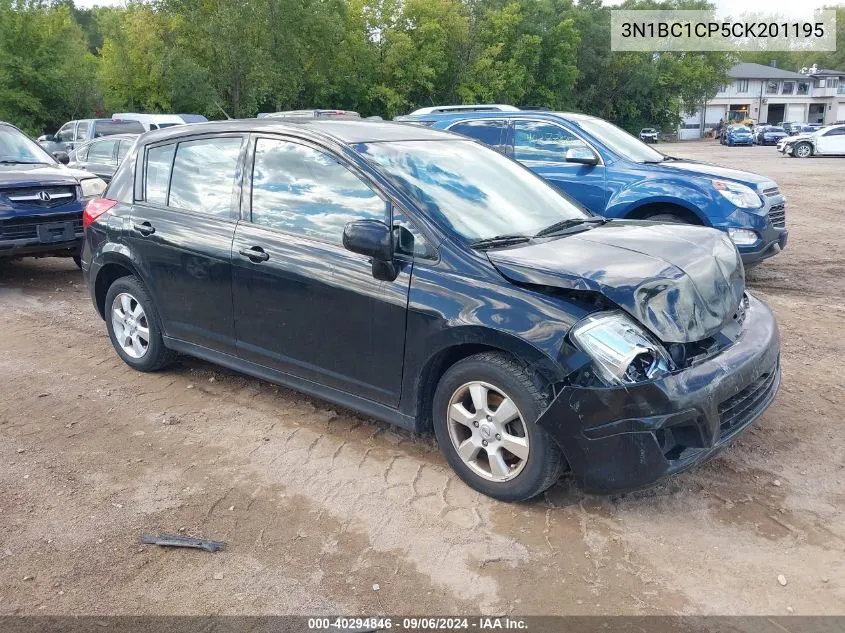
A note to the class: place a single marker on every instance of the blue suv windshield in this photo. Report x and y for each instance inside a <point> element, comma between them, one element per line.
<point>17,148</point>
<point>619,141</point>
<point>470,189</point>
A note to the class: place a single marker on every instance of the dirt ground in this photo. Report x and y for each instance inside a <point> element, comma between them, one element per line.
<point>318,505</point>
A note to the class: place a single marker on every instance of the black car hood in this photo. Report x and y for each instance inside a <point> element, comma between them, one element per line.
<point>684,283</point>
<point>42,174</point>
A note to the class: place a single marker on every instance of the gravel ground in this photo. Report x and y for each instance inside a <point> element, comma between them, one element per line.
<point>318,505</point>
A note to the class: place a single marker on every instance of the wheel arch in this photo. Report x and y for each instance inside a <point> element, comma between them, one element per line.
<point>112,269</point>
<point>675,207</point>
<point>469,343</point>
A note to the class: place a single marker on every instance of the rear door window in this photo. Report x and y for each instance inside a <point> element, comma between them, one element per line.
<point>65,134</point>
<point>301,190</point>
<point>489,131</point>
<point>82,131</point>
<point>204,176</point>
<point>101,152</point>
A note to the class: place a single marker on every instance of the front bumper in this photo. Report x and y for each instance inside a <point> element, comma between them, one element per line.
<point>28,234</point>
<point>624,438</point>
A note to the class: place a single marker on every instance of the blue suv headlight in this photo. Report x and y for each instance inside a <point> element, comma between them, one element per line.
<point>739,195</point>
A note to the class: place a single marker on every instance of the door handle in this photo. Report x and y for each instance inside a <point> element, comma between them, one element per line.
<point>255,254</point>
<point>144,228</point>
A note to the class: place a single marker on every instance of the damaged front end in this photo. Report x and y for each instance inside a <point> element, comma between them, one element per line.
<point>678,359</point>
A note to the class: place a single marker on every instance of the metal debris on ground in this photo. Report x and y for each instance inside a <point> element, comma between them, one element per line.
<point>169,540</point>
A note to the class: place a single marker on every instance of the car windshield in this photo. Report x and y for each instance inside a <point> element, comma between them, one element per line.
<point>741,129</point>
<point>775,129</point>
<point>17,147</point>
<point>471,190</point>
<point>648,130</point>
<point>620,141</point>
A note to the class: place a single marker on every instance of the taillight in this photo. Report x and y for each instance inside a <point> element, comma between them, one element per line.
<point>94,209</point>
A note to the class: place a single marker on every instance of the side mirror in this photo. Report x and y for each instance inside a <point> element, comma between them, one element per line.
<point>582,156</point>
<point>46,138</point>
<point>372,238</point>
<point>62,157</point>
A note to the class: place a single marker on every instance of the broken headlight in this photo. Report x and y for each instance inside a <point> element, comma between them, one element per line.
<point>621,350</point>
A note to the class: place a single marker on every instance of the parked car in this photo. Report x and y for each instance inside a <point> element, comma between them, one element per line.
<point>769,135</point>
<point>426,280</point>
<point>737,135</point>
<point>102,156</point>
<point>791,127</point>
<point>41,201</point>
<point>309,114</point>
<point>616,175</point>
<point>157,121</point>
<point>808,129</point>
<point>74,133</point>
<point>648,135</point>
<point>827,141</point>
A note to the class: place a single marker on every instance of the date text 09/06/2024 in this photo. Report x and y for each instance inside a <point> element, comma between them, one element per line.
<point>484,623</point>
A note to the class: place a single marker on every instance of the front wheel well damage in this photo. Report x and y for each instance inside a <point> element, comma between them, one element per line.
<point>105,278</point>
<point>440,363</point>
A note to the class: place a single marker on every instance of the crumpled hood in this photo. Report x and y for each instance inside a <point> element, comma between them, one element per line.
<point>684,283</point>
<point>44,174</point>
<point>706,169</point>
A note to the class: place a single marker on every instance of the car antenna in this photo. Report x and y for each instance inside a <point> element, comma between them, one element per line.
<point>219,107</point>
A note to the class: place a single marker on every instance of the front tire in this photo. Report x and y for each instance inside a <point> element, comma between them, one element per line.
<point>134,326</point>
<point>802,150</point>
<point>485,409</point>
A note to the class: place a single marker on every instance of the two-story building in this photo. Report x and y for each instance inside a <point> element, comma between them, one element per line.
<point>766,94</point>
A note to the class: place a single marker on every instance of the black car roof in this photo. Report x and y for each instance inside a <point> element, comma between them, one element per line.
<point>348,131</point>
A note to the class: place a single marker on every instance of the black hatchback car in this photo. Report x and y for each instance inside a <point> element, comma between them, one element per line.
<point>424,279</point>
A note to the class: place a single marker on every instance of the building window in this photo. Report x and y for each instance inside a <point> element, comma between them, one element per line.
<point>771,87</point>
<point>788,88</point>
<point>803,88</point>
<point>742,85</point>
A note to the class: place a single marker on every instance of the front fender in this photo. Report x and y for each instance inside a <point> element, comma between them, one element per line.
<point>625,203</point>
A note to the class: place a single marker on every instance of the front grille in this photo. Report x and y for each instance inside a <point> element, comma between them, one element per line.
<point>40,197</point>
<point>27,228</point>
<point>777,215</point>
<point>742,407</point>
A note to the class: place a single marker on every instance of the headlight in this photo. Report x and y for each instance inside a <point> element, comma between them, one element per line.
<point>92,187</point>
<point>740,195</point>
<point>742,237</point>
<point>622,351</point>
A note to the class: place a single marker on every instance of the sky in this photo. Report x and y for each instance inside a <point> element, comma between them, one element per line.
<point>787,8</point>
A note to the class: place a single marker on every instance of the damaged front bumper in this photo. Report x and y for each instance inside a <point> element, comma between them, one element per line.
<point>628,437</point>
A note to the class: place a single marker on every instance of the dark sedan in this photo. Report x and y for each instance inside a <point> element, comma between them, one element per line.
<point>102,156</point>
<point>769,135</point>
<point>425,279</point>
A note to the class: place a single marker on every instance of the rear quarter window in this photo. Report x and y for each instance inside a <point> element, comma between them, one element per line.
<point>488,131</point>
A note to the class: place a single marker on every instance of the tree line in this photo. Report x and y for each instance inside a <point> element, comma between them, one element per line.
<point>378,57</point>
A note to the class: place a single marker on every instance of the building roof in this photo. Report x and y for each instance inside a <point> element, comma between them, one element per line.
<point>747,70</point>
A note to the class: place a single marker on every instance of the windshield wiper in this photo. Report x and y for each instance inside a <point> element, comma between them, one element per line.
<point>23,162</point>
<point>566,224</point>
<point>499,240</point>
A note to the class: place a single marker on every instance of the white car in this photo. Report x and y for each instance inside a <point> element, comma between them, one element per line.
<point>828,141</point>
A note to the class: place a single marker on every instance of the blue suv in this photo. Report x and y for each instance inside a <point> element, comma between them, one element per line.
<point>41,201</point>
<point>616,175</point>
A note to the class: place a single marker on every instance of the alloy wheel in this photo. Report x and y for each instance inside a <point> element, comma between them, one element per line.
<point>130,325</point>
<point>803,150</point>
<point>488,431</point>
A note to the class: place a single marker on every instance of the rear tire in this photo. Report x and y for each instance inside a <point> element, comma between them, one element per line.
<point>134,326</point>
<point>509,405</point>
